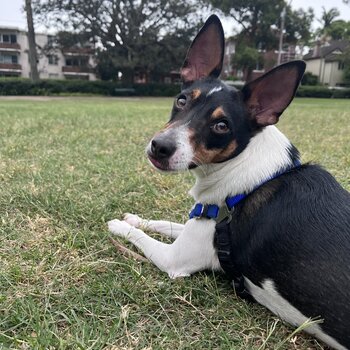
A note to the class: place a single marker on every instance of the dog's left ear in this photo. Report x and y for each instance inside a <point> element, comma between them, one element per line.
<point>205,55</point>
<point>268,96</point>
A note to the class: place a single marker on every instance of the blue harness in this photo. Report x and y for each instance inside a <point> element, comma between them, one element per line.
<point>223,215</point>
<point>213,211</point>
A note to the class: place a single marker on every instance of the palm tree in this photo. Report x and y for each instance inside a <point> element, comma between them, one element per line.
<point>326,21</point>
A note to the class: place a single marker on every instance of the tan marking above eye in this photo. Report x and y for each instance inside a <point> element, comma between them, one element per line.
<point>196,93</point>
<point>218,113</point>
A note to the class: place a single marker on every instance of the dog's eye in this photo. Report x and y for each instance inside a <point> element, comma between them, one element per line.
<point>220,127</point>
<point>181,101</point>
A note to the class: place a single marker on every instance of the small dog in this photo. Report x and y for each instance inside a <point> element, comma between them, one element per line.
<point>280,230</point>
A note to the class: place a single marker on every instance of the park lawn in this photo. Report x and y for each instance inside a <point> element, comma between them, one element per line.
<point>68,165</point>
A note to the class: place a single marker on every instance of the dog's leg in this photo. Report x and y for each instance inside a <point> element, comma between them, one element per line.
<point>192,251</point>
<point>167,228</point>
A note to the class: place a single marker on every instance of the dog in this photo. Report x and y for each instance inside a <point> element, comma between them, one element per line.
<point>279,229</point>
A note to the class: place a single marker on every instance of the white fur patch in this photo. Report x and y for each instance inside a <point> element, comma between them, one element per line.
<point>266,153</point>
<point>214,89</point>
<point>183,155</point>
<point>269,297</point>
<point>192,251</point>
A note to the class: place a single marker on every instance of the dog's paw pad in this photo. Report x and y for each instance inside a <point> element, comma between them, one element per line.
<point>132,219</point>
<point>119,228</point>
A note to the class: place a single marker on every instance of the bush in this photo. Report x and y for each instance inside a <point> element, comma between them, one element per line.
<point>343,93</point>
<point>309,79</point>
<point>322,92</point>
<point>314,91</point>
<point>18,86</point>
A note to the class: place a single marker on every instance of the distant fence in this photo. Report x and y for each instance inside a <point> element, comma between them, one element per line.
<point>19,87</point>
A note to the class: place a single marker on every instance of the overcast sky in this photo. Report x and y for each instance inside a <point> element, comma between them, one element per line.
<point>11,12</point>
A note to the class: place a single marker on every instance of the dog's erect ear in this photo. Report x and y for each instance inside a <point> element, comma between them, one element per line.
<point>205,55</point>
<point>268,96</point>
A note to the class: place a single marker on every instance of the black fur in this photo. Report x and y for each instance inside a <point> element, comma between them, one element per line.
<point>197,114</point>
<point>300,239</point>
<point>295,229</point>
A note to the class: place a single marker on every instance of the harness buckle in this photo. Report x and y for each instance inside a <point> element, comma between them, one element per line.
<point>224,213</point>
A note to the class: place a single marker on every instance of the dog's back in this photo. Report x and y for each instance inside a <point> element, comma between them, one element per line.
<point>291,238</point>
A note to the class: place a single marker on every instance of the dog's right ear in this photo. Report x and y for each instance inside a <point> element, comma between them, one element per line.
<point>205,55</point>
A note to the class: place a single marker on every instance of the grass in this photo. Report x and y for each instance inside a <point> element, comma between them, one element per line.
<point>67,165</point>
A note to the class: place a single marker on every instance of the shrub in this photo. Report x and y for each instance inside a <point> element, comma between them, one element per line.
<point>309,79</point>
<point>322,92</point>
<point>343,93</point>
<point>314,91</point>
<point>18,86</point>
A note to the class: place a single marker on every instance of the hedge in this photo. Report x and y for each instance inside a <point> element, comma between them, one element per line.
<point>19,86</point>
<point>99,87</point>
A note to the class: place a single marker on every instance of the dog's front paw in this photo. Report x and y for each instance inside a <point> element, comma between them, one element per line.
<point>119,228</point>
<point>132,219</point>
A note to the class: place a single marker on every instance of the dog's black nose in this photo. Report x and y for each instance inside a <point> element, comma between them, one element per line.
<point>162,147</point>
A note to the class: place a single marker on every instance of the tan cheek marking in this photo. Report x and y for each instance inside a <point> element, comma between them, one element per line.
<point>206,156</point>
<point>227,152</point>
<point>218,113</point>
<point>196,93</point>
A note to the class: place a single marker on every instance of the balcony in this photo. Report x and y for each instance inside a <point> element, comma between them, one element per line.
<point>78,51</point>
<point>77,70</point>
<point>10,67</point>
<point>12,47</point>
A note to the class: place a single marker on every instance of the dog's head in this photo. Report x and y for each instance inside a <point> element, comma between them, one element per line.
<point>211,122</point>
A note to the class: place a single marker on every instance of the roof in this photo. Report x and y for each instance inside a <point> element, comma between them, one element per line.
<point>328,50</point>
<point>10,28</point>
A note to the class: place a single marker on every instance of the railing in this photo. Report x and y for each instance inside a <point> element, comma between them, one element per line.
<point>78,51</point>
<point>10,66</point>
<point>10,46</point>
<point>76,69</point>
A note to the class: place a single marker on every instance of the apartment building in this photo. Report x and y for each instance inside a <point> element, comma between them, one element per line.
<point>53,62</point>
<point>326,62</point>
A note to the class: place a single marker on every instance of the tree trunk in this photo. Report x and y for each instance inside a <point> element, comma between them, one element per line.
<point>31,41</point>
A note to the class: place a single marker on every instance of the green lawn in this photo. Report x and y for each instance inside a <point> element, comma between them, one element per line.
<point>69,165</point>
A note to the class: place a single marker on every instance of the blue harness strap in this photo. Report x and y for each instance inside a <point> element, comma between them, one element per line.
<point>222,216</point>
<point>211,211</point>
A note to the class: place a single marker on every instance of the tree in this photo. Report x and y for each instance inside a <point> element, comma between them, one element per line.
<point>255,18</point>
<point>131,36</point>
<point>328,16</point>
<point>31,41</point>
<point>298,26</point>
<point>326,20</point>
<point>247,58</point>
<point>260,22</point>
<point>339,30</point>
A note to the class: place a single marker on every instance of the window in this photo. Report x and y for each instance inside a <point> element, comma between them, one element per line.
<point>5,38</point>
<point>51,41</point>
<point>53,59</point>
<point>8,38</point>
<point>77,62</point>
<point>341,65</point>
<point>9,59</point>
